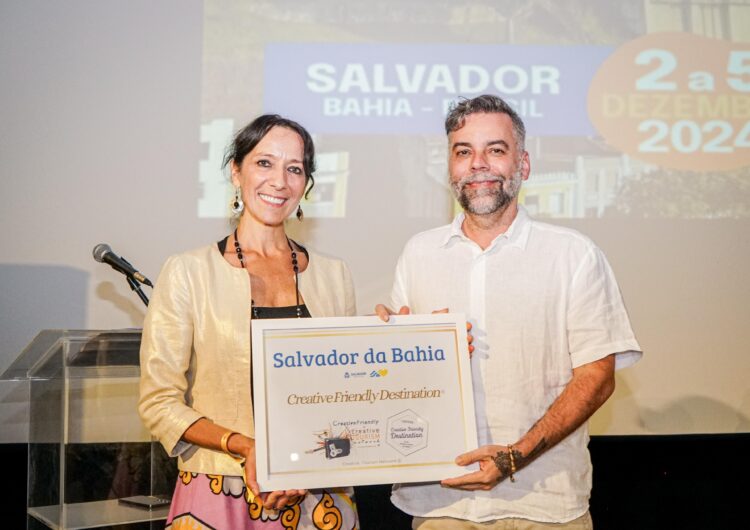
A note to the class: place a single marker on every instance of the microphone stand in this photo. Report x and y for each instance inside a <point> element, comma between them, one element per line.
<point>135,286</point>
<point>144,501</point>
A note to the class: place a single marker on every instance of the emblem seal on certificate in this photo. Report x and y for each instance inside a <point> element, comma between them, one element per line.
<point>356,401</point>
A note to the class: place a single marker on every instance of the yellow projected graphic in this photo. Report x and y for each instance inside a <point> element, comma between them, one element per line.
<point>676,100</point>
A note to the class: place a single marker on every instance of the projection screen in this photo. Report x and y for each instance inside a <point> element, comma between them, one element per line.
<point>638,117</point>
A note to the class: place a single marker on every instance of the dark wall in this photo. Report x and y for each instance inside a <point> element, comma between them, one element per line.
<point>640,483</point>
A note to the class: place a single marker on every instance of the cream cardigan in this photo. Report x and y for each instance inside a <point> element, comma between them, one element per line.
<point>195,349</point>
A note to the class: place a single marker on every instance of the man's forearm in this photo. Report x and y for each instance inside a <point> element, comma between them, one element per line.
<point>590,387</point>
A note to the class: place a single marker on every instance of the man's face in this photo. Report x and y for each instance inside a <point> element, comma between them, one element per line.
<point>485,166</point>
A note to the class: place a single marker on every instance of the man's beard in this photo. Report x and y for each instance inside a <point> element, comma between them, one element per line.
<point>484,201</point>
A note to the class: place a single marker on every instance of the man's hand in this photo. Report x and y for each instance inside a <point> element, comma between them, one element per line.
<point>590,386</point>
<point>469,336</point>
<point>385,312</point>
<point>494,467</point>
<point>469,339</point>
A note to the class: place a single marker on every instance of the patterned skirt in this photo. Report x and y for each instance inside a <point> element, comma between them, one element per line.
<point>216,502</point>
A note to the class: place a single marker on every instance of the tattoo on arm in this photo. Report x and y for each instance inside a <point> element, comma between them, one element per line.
<point>522,460</point>
<point>502,461</point>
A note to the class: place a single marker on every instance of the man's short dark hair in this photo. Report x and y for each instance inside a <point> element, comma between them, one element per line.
<point>485,104</point>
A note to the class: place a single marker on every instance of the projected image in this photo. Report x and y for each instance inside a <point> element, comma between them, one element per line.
<point>632,109</point>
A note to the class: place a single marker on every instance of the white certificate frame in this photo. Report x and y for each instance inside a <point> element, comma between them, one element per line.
<point>406,415</point>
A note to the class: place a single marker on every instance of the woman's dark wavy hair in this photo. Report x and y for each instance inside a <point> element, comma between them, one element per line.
<point>249,136</point>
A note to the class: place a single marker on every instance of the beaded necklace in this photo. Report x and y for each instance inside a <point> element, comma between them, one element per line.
<point>238,250</point>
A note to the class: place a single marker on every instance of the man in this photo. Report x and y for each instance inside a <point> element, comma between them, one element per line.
<point>549,328</point>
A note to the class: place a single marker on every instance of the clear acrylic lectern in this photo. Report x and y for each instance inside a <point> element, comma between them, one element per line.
<point>92,464</point>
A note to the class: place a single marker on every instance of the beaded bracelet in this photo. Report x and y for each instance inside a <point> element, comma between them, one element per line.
<point>512,463</point>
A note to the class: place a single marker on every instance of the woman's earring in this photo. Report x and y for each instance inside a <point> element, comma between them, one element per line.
<point>237,204</point>
<point>300,214</point>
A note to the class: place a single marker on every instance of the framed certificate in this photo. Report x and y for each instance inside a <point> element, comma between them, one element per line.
<point>356,401</point>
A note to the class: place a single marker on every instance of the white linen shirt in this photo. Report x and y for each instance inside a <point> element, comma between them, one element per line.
<point>542,300</point>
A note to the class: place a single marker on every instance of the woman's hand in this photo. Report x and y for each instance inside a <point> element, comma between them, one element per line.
<point>275,500</point>
<point>385,312</point>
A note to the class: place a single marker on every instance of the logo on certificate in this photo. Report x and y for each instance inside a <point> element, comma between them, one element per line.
<point>333,446</point>
<point>337,447</point>
<point>407,432</point>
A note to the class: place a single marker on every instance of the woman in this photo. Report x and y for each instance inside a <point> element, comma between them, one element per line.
<point>195,352</point>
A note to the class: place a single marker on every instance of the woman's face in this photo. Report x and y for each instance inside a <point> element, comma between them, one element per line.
<point>272,176</point>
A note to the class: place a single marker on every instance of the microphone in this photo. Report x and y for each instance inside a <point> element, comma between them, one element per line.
<point>103,254</point>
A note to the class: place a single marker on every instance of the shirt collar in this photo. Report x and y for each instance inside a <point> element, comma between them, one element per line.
<point>517,233</point>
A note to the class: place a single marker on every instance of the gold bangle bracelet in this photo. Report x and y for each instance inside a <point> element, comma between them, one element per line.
<point>512,463</point>
<point>224,440</point>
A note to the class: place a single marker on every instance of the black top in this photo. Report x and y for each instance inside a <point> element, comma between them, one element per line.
<point>273,312</point>
<point>289,311</point>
